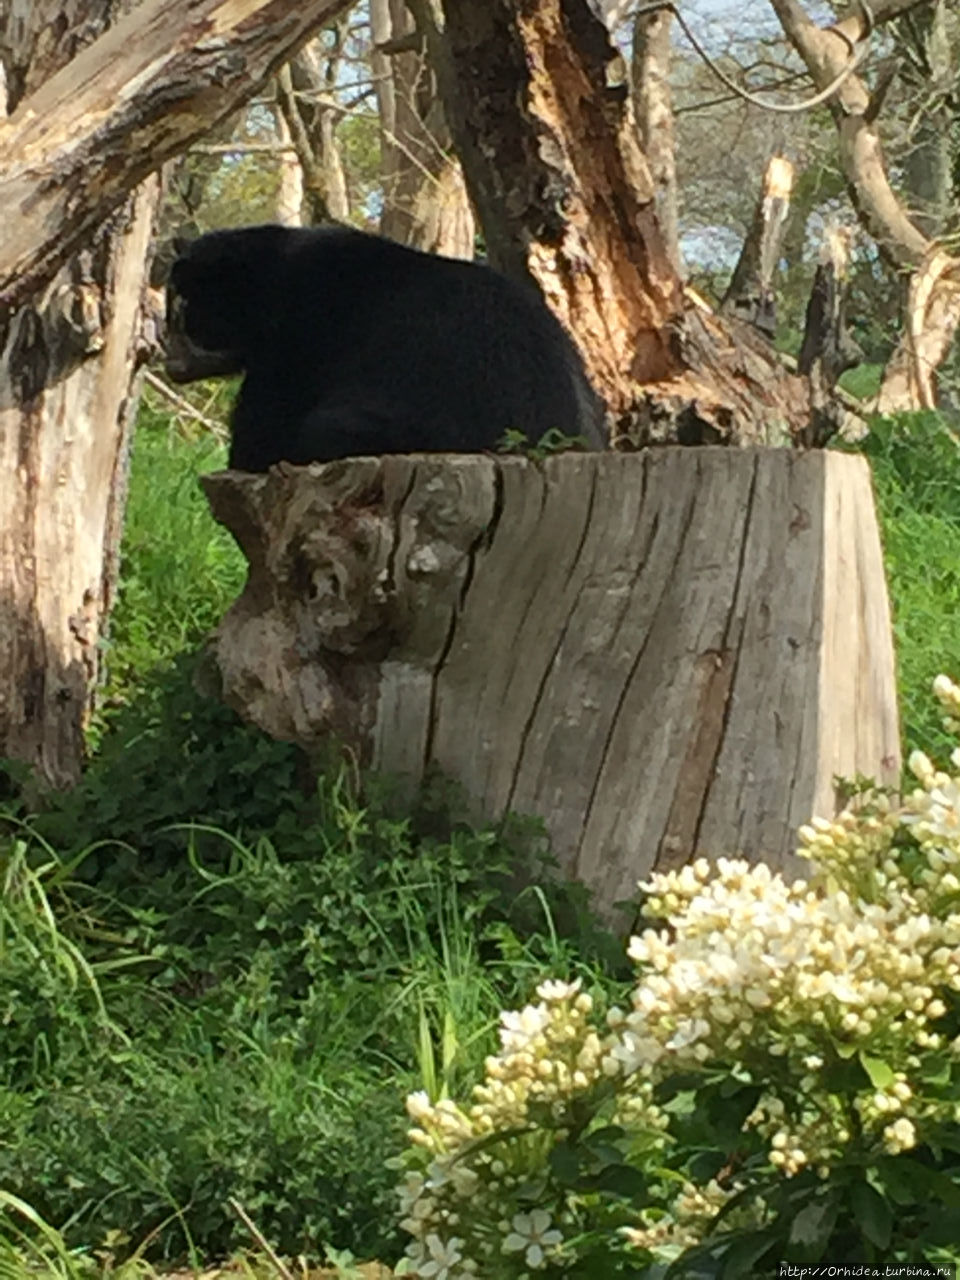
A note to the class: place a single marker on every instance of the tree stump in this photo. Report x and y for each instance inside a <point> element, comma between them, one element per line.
<point>664,654</point>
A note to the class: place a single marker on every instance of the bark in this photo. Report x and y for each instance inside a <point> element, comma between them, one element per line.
<point>750,294</point>
<point>544,128</point>
<point>100,95</point>
<point>688,646</point>
<point>66,402</point>
<point>305,94</point>
<point>828,348</point>
<point>134,98</point>
<point>650,74</point>
<point>290,186</point>
<point>425,201</point>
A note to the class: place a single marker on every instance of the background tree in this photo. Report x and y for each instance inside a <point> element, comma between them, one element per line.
<point>425,201</point>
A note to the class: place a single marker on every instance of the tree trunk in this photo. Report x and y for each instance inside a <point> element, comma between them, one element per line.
<point>425,202</point>
<point>100,94</point>
<point>65,413</point>
<point>750,294</point>
<point>290,184</point>
<point>828,348</point>
<point>650,80</point>
<point>543,125</point>
<point>663,655</point>
<point>302,88</point>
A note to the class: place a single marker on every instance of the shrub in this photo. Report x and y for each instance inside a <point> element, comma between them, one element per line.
<point>791,1054</point>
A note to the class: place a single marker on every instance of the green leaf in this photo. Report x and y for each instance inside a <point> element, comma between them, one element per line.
<point>742,1258</point>
<point>811,1227</point>
<point>621,1179</point>
<point>881,1074</point>
<point>872,1214</point>
<point>565,1163</point>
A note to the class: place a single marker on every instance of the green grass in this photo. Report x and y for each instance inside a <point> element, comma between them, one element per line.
<point>916,471</point>
<point>179,569</point>
<point>219,979</point>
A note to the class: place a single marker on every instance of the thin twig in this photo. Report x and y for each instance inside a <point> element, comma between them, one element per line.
<point>184,406</point>
<point>784,108</point>
<point>258,1236</point>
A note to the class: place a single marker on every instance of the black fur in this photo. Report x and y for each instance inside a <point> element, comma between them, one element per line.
<point>351,344</point>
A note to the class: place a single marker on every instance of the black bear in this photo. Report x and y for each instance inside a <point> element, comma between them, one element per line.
<point>351,344</point>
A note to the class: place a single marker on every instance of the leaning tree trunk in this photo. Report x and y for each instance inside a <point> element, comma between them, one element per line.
<point>544,129</point>
<point>99,95</point>
<point>66,402</point>
<point>662,655</point>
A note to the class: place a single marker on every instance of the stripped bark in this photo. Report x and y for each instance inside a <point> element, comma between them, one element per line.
<point>931,318</point>
<point>750,294</point>
<point>564,194</point>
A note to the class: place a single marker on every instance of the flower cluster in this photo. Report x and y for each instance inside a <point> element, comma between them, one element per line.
<point>550,1059</point>
<point>844,975</point>
<point>691,1214</point>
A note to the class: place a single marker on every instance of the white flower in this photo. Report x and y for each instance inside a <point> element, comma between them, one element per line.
<point>555,990</point>
<point>944,816</point>
<point>443,1257</point>
<point>900,1136</point>
<point>945,689</point>
<point>419,1106</point>
<point>410,1191</point>
<point>518,1029</point>
<point>919,765</point>
<point>531,1234</point>
<point>688,1031</point>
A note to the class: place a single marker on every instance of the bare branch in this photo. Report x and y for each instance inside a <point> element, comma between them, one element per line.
<point>856,56</point>
<point>182,405</point>
<point>861,153</point>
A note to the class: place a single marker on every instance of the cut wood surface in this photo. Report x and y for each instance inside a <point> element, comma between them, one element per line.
<point>663,654</point>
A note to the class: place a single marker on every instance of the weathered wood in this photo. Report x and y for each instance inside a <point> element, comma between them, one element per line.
<point>828,348</point>
<point>750,294</point>
<point>67,394</point>
<point>930,322</point>
<point>536,99</point>
<point>664,654</point>
<point>152,83</point>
